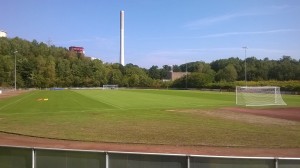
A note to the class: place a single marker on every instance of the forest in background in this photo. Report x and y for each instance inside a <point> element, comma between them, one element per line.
<point>43,66</point>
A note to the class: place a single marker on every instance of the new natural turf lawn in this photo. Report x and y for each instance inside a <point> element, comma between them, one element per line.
<point>142,116</point>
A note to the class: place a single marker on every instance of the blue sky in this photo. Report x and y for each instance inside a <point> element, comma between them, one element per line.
<point>160,32</point>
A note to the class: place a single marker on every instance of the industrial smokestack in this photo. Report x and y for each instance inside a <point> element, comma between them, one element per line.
<point>122,37</point>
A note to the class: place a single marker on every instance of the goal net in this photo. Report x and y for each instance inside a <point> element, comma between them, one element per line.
<point>109,87</point>
<point>258,96</point>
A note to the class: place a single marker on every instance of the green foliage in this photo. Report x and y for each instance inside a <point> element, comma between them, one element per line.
<point>228,74</point>
<point>42,66</point>
<point>293,86</point>
<point>154,72</point>
<point>193,80</point>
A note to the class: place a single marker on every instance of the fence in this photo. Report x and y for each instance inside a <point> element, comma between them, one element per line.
<point>22,157</point>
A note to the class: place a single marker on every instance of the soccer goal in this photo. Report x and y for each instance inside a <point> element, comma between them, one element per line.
<point>110,87</point>
<point>258,96</point>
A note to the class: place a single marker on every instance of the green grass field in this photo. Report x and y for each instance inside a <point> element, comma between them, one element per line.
<point>144,116</point>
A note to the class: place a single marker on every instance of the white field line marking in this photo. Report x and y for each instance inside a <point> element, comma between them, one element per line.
<point>59,112</point>
<point>102,110</point>
<point>110,104</point>
<point>104,102</point>
<point>16,101</point>
<point>110,109</point>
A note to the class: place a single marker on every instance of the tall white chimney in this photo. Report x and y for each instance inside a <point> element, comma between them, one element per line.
<point>122,37</point>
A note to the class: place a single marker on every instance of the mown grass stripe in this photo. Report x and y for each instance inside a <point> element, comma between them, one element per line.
<point>143,116</point>
<point>13,102</point>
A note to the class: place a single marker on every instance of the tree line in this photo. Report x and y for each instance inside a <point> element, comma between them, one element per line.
<point>41,66</point>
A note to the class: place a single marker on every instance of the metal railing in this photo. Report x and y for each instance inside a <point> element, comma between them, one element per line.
<point>24,157</point>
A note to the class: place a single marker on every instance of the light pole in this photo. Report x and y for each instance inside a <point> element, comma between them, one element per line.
<point>245,64</point>
<point>186,76</point>
<point>15,53</point>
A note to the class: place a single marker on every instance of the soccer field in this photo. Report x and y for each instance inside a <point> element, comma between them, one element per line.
<point>144,116</point>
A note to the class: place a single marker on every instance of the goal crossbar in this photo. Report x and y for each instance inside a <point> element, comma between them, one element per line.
<point>111,87</point>
<point>258,96</point>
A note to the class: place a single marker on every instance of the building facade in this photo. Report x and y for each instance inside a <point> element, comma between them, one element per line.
<point>3,33</point>
<point>79,50</point>
<point>176,75</point>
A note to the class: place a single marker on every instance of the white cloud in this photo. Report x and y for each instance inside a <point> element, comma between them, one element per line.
<point>214,20</point>
<point>228,34</point>
<point>280,7</point>
<point>247,33</point>
<point>197,24</point>
<point>94,39</point>
<point>181,56</point>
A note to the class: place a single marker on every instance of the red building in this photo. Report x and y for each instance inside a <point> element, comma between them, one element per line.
<point>77,49</point>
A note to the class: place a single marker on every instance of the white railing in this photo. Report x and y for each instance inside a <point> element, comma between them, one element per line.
<point>26,157</point>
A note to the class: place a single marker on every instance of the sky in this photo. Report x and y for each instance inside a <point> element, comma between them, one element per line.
<point>160,32</point>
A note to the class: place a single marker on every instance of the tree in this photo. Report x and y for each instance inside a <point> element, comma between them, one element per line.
<point>194,80</point>
<point>5,46</point>
<point>285,69</point>
<point>63,73</point>
<point>164,73</point>
<point>227,74</point>
<point>99,73</point>
<point>236,62</point>
<point>39,65</point>
<point>6,70</point>
<point>134,80</point>
<point>25,68</point>
<point>176,68</point>
<point>199,80</point>
<point>154,72</point>
<point>115,77</point>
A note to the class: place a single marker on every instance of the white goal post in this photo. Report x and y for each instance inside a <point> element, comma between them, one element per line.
<point>110,87</point>
<point>258,96</point>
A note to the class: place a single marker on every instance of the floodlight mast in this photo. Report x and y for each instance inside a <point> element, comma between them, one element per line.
<point>186,76</point>
<point>15,53</point>
<point>245,48</point>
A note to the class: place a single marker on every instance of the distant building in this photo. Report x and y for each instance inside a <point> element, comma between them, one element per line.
<point>176,75</point>
<point>93,58</point>
<point>3,33</point>
<point>79,50</point>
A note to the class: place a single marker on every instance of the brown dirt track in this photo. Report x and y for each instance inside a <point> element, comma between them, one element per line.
<point>291,114</point>
<point>11,93</point>
<point>18,140</point>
